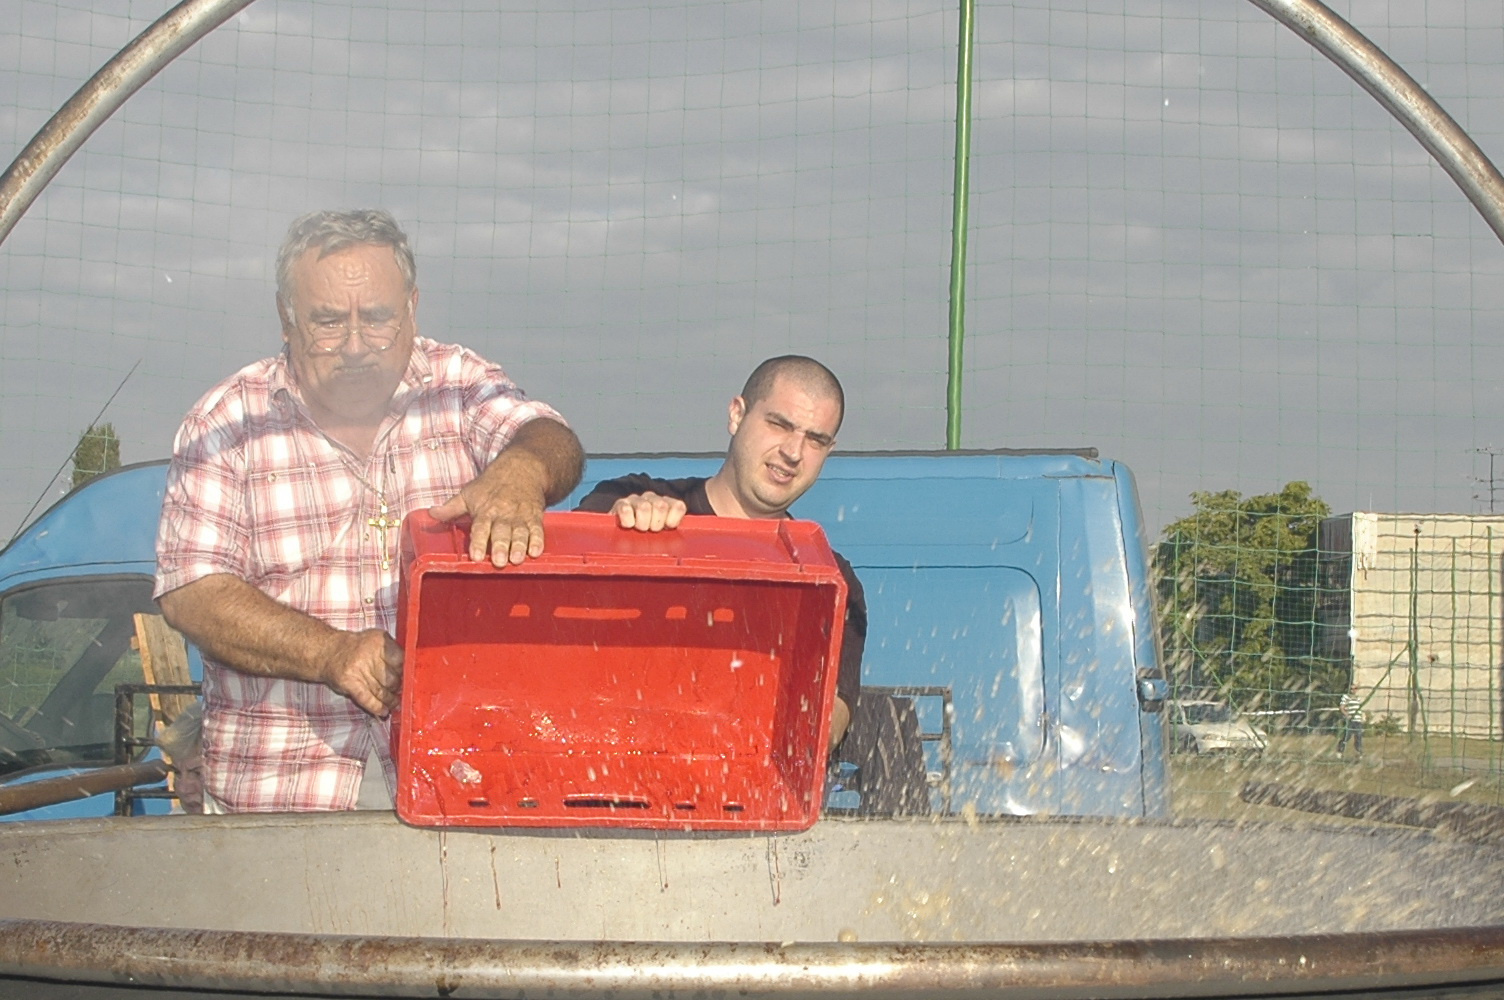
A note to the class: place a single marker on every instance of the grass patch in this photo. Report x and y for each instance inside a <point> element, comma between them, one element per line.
<point>1444,769</point>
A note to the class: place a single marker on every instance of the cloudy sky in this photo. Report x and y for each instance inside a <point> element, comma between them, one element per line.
<point>1195,244</point>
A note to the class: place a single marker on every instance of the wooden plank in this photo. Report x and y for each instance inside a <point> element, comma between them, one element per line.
<point>164,660</point>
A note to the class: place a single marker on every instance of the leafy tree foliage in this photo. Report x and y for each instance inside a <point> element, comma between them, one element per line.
<point>98,451</point>
<point>1237,586</point>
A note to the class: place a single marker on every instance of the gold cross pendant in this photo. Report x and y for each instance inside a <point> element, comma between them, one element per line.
<point>383,524</point>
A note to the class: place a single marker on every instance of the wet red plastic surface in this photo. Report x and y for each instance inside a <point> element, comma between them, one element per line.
<point>674,680</point>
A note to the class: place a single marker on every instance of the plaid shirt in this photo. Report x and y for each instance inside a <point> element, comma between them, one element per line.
<point>257,491</point>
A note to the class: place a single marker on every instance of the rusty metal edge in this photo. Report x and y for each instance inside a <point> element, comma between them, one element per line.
<point>94,102</point>
<point>96,781</point>
<point>1402,96</point>
<point>328,965</point>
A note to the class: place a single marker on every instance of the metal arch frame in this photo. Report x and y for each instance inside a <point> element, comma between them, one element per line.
<point>1402,96</point>
<point>1312,20</point>
<point>185,24</point>
<point>167,38</point>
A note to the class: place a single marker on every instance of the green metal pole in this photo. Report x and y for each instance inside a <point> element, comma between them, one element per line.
<point>1412,638</point>
<point>1452,666</point>
<point>958,224</point>
<point>1491,660</point>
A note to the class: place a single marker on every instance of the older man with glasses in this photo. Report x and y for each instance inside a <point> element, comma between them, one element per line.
<point>277,547</point>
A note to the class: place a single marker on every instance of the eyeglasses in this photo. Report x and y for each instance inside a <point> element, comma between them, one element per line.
<point>328,336</point>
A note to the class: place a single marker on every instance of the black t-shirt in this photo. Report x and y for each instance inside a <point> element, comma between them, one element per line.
<point>692,491</point>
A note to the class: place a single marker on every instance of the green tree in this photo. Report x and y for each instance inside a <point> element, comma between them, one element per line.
<point>98,451</point>
<point>1237,587</point>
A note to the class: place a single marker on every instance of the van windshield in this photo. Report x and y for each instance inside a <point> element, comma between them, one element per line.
<point>64,646</point>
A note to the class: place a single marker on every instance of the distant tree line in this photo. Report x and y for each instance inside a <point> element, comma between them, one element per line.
<point>98,450</point>
<point>1238,591</point>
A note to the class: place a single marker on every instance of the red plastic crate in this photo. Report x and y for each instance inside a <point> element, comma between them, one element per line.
<point>682,679</point>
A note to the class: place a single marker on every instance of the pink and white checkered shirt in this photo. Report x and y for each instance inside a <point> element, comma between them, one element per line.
<point>256,490</point>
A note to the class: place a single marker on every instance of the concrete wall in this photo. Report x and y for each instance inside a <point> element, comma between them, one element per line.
<point>1434,579</point>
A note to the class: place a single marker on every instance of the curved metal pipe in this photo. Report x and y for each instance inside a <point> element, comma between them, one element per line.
<point>153,961</point>
<point>95,101</point>
<point>1405,99</point>
<point>51,791</point>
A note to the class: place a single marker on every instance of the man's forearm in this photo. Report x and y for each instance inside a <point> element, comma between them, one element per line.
<point>548,450</point>
<point>840,721</point>
<point>235,624</point>
<point>539,466</point>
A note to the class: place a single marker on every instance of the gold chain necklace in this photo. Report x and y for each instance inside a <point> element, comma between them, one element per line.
<point>382,522</point>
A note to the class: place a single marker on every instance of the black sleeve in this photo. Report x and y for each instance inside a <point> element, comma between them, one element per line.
<point>854,639</point>
<point>606,492</point>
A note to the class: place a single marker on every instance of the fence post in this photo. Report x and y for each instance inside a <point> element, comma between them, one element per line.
<point>960,210</point>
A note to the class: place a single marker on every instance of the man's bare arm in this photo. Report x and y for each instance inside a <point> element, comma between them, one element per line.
<point>505,502</point>
<point>237,625</point>
<point>840,721</point>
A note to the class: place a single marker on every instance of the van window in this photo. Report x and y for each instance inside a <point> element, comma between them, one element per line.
<point>64,646</point>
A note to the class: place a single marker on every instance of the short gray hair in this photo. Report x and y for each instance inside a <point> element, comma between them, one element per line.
<point>330,232</point>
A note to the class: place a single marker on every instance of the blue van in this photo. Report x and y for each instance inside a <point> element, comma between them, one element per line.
<point>71,586</point>
<point>1010,667</point>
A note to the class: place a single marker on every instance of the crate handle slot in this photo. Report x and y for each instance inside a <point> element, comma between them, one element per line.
<point>598,614</point>
<point>605,802</point>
